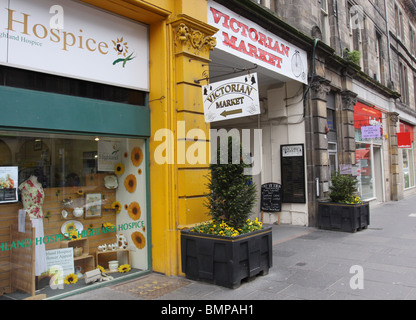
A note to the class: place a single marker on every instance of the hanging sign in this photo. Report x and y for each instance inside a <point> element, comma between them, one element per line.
<point>71,39</point>
<point>232,98</point>
<point>243,38</point>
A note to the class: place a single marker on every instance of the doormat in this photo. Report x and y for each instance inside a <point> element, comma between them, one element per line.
<point>152,286</point>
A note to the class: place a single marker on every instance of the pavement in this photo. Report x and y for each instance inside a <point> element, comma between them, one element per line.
<point>378,263</point>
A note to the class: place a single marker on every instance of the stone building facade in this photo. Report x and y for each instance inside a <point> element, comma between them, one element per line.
<point>362,74</point>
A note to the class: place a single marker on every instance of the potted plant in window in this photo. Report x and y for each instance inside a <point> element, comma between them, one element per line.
<point>230,247</point>
<point>345,211</point>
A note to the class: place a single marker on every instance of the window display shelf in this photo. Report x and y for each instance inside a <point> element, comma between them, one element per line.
<point>85,260</point>
<point>99,254</point>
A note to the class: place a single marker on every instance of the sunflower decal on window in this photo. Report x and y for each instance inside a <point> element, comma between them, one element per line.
<point>130,183</point>
<point>138,239</point>
<point>137,156</point>
<point>134,211</point>
<point>122,50</point>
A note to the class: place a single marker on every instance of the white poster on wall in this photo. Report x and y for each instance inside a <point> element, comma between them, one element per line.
<point>72,39</point>
<point>60,263</point>
<point>8,184</point>
<point>108,154</point>
<point>247,40</point>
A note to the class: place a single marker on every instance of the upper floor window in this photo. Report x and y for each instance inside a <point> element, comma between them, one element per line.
<point>412,39</point>
<point>404,83</point>
<point>398,17</point>
<point>326,32</point>
<point>378,75</point>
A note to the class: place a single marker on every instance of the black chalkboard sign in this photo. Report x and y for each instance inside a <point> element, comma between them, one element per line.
<point>271,200</point>
<point>293,173</point>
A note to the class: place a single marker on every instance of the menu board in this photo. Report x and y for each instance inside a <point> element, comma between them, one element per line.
<point>271,198</point>
<point>293,173</point>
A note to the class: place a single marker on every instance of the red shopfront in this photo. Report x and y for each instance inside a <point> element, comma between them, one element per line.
<point>405,138</point>
<point>368,124</point>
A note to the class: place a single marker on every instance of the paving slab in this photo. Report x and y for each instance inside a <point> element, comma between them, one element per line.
<point>312,264</point>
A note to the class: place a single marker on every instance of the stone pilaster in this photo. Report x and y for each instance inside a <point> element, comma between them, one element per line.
<point>317,144</point>
<point>395,182</point>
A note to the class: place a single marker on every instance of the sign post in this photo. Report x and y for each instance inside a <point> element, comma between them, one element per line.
<point>271,199</point>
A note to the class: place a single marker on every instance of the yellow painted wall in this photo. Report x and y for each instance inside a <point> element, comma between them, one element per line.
<point>176,60</point>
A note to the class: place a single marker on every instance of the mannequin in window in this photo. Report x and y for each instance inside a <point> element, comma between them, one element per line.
<point>32,198</point>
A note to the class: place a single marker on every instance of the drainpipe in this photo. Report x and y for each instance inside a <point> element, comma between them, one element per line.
<point>388,43</point>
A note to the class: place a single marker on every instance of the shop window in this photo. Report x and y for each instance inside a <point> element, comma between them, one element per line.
<point>88,196</point>
<point>25,79</point>
<point>408,168</point>
<point>333,158</point>
<point>368,126</point>
<point>363,154</point>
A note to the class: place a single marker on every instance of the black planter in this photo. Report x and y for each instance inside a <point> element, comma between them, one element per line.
<point>226,261</point>
<point>343,217</point>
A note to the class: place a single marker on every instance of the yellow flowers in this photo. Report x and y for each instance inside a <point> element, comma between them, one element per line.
<point>223,229</point>
<point>352,200</point>
<point>73,235</point>
<point>116,206</point>
<point>102,270</point>
<point>108,225</point>
<point>119,169</point>
<point>71,278</point>
<point>124,268</point>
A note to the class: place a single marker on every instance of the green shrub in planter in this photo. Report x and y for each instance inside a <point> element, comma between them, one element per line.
<point>230,247</point>
<point>344,189</point>
<point>345,211</point>
<point>233,195</point>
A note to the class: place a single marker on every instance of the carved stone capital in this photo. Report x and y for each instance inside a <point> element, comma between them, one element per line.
<point>320,88</point>
<point>194,39</point>
<point>393,117</point>
<point>349,100</point>
<point>193,36</point>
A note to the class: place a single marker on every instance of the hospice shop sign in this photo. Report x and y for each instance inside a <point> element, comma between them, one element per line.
<point>247,40</point>
<point>233,98</point>
<point>87,43</point>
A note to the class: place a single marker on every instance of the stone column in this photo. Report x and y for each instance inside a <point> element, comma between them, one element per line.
<point>395,182</point>
<point>317,145</point>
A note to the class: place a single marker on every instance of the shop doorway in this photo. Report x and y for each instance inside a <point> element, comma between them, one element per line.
<point>378,174</point>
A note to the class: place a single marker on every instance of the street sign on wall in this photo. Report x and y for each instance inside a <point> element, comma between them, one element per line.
<point>233,98</point>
